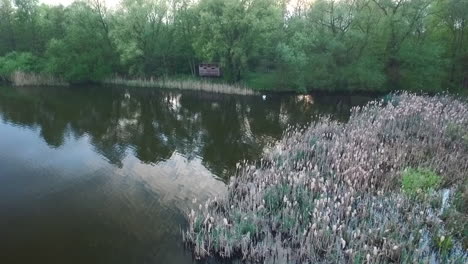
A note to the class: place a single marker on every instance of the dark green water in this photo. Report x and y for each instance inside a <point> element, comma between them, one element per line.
<point>103,175</point>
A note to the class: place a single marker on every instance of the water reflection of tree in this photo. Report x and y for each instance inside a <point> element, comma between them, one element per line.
<point>222,130</point>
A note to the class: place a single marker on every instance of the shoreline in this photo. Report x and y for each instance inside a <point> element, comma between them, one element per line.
<point>21,79</point>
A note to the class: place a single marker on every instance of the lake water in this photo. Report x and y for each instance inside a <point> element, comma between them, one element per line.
<point>104,175</point>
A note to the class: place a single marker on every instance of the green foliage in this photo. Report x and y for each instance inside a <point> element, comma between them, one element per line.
<point>443,243</point>
<point>274,197</point>
<point>457,132</point>
<point>421,66</point>
<point>84,53</point>
<point>198,225</point>
<point>435,201</point>
<point>456,223</point>
<point>419,181</point>
<point>234,32</point>
<point>18,61</point>
<point>263,81</point>
<point>246,227</point>
<point>325,45</point>
<point>460,200</point>
<point>456,217</point>
<point>287,222</point>
<point>465,139</point>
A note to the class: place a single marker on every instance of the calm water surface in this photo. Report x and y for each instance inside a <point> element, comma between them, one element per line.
<point>104,175</point>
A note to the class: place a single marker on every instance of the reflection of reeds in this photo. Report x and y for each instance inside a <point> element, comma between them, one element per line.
<point>35,79</point>
<point>187,84</point>
<point>330,193</point>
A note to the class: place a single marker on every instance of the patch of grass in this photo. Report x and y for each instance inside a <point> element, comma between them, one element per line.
<point>465,139</point>
<point>244,225</point>
<point>460,200</point>
<point>456,217</point>
<point>436,201</point>
<point>457,224</point>
<point>419,181</point>
<point>274,197</point>
<point>198,225</point>
<point>444,244</point>
<point>287,222</point>
<point>455,131</point>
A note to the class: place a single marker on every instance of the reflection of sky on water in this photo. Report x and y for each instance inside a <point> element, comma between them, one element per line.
<point>108,172</point>
<point>176,179</point>
<point>70,198</point>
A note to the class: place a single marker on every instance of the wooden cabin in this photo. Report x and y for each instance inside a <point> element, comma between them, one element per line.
<point>209,70</point>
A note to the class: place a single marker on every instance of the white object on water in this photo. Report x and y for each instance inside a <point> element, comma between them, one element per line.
<point>264,97</point>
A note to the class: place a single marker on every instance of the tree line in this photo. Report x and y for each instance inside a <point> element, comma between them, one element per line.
<point>329,45</point>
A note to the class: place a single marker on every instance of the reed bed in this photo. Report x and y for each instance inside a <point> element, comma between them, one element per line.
<point>35,79</point>
<point>331,192</point>
<point>188,84</point>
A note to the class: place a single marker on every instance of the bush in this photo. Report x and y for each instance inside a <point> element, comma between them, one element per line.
<point>18,61</point>
<point>263,81</point>
<point>419,181</point>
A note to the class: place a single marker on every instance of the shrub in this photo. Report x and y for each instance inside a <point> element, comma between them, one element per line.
<point>419,181</point>
<point>18,61</point>
<point>262,81</point>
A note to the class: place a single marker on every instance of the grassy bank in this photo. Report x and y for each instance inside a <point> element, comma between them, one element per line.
<point>183,84</point>
<point>390,185</point>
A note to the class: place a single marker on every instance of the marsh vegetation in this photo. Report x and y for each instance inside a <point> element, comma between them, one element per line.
<point>387,186</point>
<point>192,84</point>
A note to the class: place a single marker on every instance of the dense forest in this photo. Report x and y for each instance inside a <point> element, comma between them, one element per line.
<point>330,45</point>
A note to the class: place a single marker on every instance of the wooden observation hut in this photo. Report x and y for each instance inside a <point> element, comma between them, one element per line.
<point>209,70</point>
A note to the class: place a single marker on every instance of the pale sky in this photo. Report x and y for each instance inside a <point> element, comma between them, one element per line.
<point>56,2</point>
<point>114,3</point>
<point>109,3</point>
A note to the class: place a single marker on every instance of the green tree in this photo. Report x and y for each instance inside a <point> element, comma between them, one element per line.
<point>7,30</point>
<point>19,61</point>
<point>449,26</point>
<point>84,53</point>
<point>233,32</point>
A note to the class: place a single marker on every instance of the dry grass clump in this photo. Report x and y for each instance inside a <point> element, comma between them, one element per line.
<point>331,193</point>
<point>188,84</point>
<point>35,79</point>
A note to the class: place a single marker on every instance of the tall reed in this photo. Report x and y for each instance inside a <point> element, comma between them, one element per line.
<point>36,79</point>
<point>183,84</point>
<point>330,193</point>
